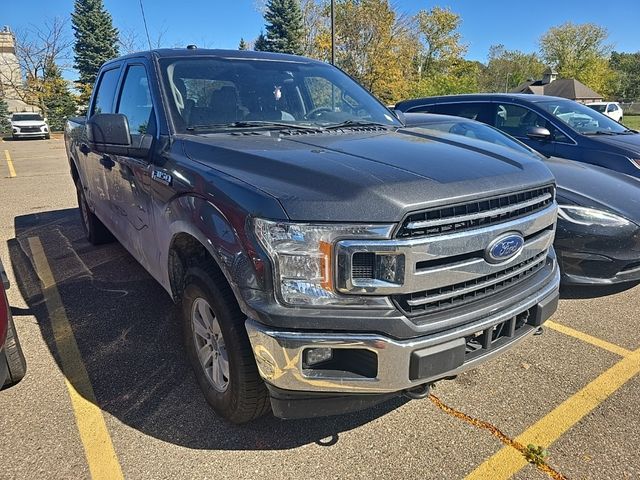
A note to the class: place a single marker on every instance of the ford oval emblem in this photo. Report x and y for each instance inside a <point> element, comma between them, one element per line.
<point>504,247</point>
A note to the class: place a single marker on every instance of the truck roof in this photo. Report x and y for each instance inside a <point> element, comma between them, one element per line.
<point>206,52</point>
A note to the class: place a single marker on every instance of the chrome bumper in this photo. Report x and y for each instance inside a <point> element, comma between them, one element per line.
<point>279,354</point>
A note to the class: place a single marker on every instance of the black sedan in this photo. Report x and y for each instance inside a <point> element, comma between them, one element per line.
<point>553,126</point>
<point>598,233</point>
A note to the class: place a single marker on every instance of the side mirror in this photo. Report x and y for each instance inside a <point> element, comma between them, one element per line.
<point>539,133</point>
<point>400,116</point>
<point>109,133</point>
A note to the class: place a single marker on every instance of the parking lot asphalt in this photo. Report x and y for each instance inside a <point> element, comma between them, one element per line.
<point>108,392</point>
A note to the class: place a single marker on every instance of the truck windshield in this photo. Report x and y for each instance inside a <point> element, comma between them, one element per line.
<point>207,93</point>
<point>27,117</point>
<point>583,119</point>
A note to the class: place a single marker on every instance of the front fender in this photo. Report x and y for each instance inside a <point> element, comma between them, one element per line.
<point>224,234</point>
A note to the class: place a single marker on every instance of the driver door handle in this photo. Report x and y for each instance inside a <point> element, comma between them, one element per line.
<point>84,148</point>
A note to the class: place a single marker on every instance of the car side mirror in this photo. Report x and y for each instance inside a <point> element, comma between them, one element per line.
<point>109,133</point>
<point>539,133</point>
<point>399,114</point>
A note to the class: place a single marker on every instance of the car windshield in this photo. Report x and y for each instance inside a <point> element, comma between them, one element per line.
<point>582,118</point>
<point>24,117</point>
<point>598,108</point>
<point>482,132</point>
<point>206,93</point>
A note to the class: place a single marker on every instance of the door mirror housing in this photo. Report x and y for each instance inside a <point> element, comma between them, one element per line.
<point>109,133</point>
<point>539,133</point>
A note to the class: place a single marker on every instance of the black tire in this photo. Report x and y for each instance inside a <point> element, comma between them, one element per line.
<point>94,229</point>
<point>245,397</point>
<point>47,136</point>
<point>16,363</point>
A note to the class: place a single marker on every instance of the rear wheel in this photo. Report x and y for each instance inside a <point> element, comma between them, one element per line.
<point>219,349</point>
<point>16,363</point>
<point>94,229</point>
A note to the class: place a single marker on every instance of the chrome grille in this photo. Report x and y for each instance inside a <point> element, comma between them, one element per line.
<point>476,214</point>
<point>437,299</point>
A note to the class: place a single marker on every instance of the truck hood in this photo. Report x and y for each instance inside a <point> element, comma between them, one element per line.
<point>592,186</point>
<point>376,176</point>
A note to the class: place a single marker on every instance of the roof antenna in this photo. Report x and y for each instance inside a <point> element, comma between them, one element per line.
<point>144,19</point>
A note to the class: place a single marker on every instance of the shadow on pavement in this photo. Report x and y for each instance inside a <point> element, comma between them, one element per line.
<point>130,341</point>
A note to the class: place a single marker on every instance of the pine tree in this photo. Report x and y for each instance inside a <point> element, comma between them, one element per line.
<point>5,124</point>
<point>243,45</point>
<point>260,44</point>
<point>284,26</point>
<point>59,104</point>
<point>96,38</point>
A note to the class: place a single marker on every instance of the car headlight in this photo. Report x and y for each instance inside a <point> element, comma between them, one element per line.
<point>304,263</point>
<point>591,216</point>
<point>636,162</point>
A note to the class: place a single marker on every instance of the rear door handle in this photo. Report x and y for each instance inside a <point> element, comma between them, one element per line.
<point>84,148</point>
<point>106,162</point>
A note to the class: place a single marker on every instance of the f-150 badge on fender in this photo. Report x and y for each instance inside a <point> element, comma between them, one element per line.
<point>161,177</point>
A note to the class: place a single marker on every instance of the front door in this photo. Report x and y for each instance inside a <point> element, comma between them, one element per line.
<point>517,120</point>
<point>130,188</point>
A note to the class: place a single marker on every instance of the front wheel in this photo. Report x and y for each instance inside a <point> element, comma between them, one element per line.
<point>219,349</point>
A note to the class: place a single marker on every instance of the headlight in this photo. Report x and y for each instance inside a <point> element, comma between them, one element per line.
<point>636,162</point>
<point>304,263</point>
<point>591,216</point>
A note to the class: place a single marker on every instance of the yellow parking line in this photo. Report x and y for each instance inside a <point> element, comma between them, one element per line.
<point>12,171</point>
<point>623,352</point>
<point>508,461</point>
<point>98,448</point>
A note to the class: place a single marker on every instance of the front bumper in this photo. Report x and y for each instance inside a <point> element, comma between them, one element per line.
<point>22,134</point>
<point>391,365</point>
<point>592,255</point>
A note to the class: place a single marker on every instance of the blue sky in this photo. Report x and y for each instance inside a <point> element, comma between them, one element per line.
<point>221,23</point>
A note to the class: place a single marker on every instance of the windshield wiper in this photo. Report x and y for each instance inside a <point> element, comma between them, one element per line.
<point>599,132</point>
<point>251,124</point>
<point>355,123</point>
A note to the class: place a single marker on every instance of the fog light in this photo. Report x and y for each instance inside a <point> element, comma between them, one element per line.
<point>313,356</point>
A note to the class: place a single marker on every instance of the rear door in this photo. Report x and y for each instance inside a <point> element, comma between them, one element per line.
<point>130,187</point>
<point>98,167</point>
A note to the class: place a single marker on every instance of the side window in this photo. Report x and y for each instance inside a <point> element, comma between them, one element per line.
<point>474,111</point>
<point>135,100</point>
<point>611,108</point>
<point>516,120</point>
<point>103,102</point>
<point>323,93</point>
<point>423,109</point>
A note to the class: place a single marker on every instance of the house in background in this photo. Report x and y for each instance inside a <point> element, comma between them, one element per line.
<point>564,87</point>
<point>11,74</point>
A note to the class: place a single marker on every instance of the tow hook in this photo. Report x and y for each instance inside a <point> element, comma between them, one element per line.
<point>419,392</point>
<point>539,331</point>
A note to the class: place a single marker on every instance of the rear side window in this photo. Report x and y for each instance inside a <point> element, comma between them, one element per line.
<point>135,100</point>
<point>474,111</point>
<point>423,109</point>
<point>103,100</point>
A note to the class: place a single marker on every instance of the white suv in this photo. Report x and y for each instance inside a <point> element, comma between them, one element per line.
<point>610,109</point>
<point>27,125</point>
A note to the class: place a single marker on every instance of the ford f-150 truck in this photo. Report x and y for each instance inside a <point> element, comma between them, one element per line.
<point>323,256</point>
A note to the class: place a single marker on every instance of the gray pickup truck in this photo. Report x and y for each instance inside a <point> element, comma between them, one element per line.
<point>323,256</point>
